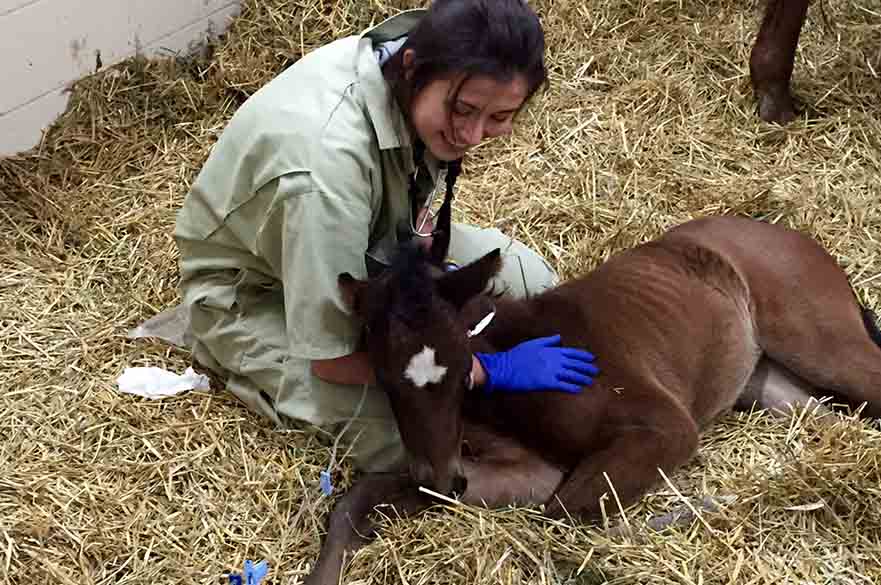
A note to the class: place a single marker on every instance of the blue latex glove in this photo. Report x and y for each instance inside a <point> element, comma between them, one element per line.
<point>538,364</point>
<point>255,573</point>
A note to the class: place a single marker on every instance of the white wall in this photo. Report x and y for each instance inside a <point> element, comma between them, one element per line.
<point>46,44</point>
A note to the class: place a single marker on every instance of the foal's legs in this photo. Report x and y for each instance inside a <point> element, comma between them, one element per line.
<point>774,388</point>
<point>501,472</point>
<point>773,56</point>
<point>804,312</point>
<point>350,525</point>
<point>631,462</point>
<point>829,346</point>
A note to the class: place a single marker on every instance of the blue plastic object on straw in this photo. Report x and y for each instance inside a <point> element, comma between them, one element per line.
<point>324,482</point>
<point>255,573</point>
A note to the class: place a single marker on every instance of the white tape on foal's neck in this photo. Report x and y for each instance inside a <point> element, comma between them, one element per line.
<point>482,324</point>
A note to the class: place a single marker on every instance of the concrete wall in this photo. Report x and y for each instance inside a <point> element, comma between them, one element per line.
<point>46,44</point>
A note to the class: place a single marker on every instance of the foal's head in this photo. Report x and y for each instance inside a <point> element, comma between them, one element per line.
<point>420,352</point>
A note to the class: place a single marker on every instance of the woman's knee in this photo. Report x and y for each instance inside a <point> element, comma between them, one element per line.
<point>524,272</point>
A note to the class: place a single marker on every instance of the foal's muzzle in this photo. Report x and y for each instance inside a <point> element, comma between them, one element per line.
<point>460,484</point>
<point>451,481</point>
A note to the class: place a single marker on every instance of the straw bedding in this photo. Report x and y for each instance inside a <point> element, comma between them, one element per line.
<point>649,121</point>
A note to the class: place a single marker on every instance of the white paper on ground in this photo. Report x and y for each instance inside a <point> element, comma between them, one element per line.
<point>152,382</point>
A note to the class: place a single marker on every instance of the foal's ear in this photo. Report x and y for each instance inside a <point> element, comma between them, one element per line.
<point>351,288</point>
<point>459,286</point>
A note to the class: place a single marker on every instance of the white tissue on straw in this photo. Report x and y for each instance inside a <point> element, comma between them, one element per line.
<point>153,382</point>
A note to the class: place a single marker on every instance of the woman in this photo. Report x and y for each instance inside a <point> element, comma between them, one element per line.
<point>315,175</point>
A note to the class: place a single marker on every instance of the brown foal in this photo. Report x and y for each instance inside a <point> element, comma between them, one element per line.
<point>718,313</point>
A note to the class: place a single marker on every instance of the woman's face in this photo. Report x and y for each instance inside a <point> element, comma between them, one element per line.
<point>451,116</point>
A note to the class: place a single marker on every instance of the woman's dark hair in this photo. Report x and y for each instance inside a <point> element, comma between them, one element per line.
<point>499,39</point>
<point>493,38</point>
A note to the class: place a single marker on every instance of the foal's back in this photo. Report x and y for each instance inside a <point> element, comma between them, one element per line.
<point>670,324</point>
<point>679,325</point>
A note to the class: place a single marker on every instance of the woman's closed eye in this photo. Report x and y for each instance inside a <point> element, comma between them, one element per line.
<point>462,109</point>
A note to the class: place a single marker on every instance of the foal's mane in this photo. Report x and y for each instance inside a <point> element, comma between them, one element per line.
<point>411,288</point>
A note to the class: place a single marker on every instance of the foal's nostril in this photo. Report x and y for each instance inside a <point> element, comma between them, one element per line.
<point>460,484</point>
<point>421,473</point>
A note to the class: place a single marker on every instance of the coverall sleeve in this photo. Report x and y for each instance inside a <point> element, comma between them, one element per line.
<point>319,228</point>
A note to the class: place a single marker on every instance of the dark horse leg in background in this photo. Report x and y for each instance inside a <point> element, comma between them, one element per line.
<point>773,57</point>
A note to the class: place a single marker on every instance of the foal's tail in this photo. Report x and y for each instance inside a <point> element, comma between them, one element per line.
<point>870,320</point>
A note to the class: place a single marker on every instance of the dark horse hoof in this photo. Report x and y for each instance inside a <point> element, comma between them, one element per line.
<point>776,106</point>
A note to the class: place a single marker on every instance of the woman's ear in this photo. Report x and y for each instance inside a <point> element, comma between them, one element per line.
<point>407,59</point>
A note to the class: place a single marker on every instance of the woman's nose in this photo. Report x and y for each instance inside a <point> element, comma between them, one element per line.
<point>471,132</point>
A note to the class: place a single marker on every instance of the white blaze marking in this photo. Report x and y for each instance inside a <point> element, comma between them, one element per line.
<point>422,368</point>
